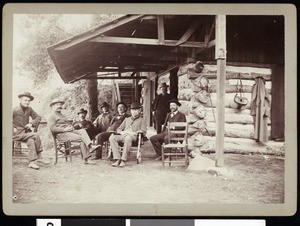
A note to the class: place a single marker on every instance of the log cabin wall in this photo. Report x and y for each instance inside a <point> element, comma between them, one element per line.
<point>238,122</point>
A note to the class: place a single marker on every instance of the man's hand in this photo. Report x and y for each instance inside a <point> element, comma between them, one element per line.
<point>68,129</point>
<point>28,126</point>
<point>129,133</point>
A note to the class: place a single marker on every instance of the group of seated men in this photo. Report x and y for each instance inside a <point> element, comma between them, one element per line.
<point>106,127</point>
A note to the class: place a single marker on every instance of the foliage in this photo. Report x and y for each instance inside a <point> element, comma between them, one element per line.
<point>41,31</point>
<point>33,34</point>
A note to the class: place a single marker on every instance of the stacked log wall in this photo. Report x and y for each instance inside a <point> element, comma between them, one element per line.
<point>238,122</point>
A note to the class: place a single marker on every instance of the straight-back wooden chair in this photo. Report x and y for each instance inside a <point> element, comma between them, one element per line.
<point>177,148</point>
<point>20,148</point>
<point>65,149</point>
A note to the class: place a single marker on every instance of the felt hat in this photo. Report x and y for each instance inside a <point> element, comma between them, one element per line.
<point>82,111</point>
<point>104,104</point>
<point>56,100</point>
<point>121,103</point>
<point>163,85</point>
<point>135,105</point>
<point>26,94</point>
<point>175,101</point>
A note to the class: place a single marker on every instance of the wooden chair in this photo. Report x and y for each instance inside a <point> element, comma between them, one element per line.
<point>136,147</point>
<point>20,148</point>
<point>177,148</point>
<point>66,148</point>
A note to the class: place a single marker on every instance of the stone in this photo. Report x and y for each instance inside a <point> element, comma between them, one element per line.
<point>200,163</point>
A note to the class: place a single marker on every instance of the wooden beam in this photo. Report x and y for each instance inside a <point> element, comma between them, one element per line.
<point>189,32</point>
<point>94,32</point>
<point>207,37</point>
<point>145,41</point>
<point>242,64</point>
<point>160,30</point>
<point>116,77</point>
<point>220,54</point>
<point>211,43</point>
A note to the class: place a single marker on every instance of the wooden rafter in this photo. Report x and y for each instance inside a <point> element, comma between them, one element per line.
<point>189,32</point>
<point>208,36</point>
<point>145,41</point>
<point>160,29</point>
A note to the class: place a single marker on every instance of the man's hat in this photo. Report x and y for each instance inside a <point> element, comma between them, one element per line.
<point>26,94</point>
<point>121,103</point>
<point>82,111</point>
<point>175,101</point>
<point>135,105</point>
<point>104,104</point>
<point>163,85</point>
<point>56,100</point>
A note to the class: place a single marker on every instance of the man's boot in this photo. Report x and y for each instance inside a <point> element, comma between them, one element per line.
<point>98,153</point>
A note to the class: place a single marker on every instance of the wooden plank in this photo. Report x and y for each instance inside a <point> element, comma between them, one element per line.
<point>116,77</point>
<point>160,30</point>
<point>229,88</point>
<point>146,95</point>
<point>277,107</point>
<point>232,71</point>
<point>189,32</point>
<point>235,130</point>
<point>244,146</point>
<point>220,54</point>
<point>145,41</point>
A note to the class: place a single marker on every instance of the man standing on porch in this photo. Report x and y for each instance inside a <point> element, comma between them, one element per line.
<point>173,116</point>
<point>160,107</point>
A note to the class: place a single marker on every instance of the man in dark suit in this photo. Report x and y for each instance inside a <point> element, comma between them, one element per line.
<point>160,108</point>
<point>101,123</point>
<point>83,123</point>
<point>173,116</point>
<point>114,124</point>
<point>23,129</point>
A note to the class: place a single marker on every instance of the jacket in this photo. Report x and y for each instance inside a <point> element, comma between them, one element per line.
<point>103,121</point>
<point>179,117</point>
<point>57,122</point>
<point>115,122</point>
<point>21,118</point>
<point>133,124</point>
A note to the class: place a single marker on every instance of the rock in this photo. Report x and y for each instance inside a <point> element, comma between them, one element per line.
<point>200,163</point>
<point>217,171</point>
<point>200,111</point>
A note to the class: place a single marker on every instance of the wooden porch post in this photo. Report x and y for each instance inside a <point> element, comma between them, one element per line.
<point>220,55</point>
<point>147,98</point>
<point>174,83</point>
<point>92,91</point>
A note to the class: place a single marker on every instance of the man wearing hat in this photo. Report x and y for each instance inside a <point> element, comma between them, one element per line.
<point>160,108</point>
<point>83,123</point>
<point>113,125</point>
<point>23,129</point>
<point>59,125</point>
<point>127,132</point>
<point>101,123</point>
<point>173,116</point>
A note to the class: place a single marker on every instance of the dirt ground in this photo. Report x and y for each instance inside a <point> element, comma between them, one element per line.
<point>253,179</point>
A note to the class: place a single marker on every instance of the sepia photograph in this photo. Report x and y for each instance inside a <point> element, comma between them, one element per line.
<point>149,109</point>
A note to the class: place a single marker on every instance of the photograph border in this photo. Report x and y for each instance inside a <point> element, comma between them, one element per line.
<point>288,208</point>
